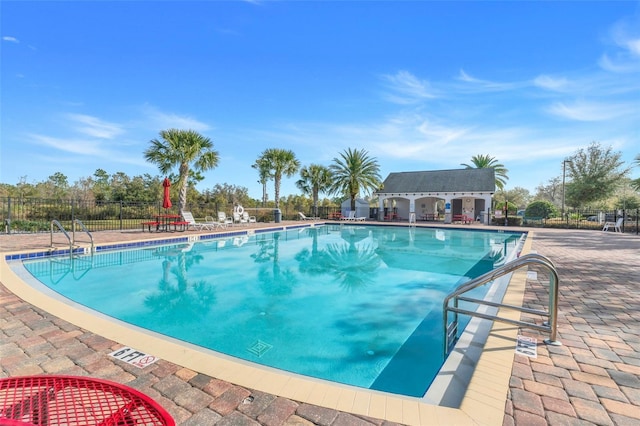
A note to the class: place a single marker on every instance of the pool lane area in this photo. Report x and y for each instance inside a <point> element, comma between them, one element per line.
<point>484,400</point>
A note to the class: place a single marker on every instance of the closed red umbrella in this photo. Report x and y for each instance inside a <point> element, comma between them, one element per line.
<point>166,201</point>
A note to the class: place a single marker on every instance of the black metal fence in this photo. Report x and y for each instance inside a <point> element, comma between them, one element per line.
<point>588,219</point>
<point>26,215</point>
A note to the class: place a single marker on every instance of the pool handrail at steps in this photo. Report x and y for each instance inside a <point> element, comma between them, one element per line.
<point>70,238</point>
<point>451,330</point>
<point>85,230</point>
<point>56,224</point>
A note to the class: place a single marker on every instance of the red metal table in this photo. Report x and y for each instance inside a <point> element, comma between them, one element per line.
<point>70,400</point>
<point>165,221</point>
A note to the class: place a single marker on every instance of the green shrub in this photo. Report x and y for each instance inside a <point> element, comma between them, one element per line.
<point>20,225</point>
<point>512,221</point>
<point>541,209</point>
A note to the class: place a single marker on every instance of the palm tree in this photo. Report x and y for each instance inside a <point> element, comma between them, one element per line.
<point>264,174</point>
<point>279,162</point>
<point>355,171</point>
<point>313,180</point>
<point>488,162</point>
<point>182,148</point>
<point>636,182</point>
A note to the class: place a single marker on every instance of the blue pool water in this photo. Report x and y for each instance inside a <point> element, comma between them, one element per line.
<point>360,305</point>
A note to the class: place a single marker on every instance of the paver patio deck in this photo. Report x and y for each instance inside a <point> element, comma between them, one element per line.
<point>593,378</point>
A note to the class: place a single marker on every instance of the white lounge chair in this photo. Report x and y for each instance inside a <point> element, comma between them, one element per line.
<point>223,220</point>
<point>352,216</point>
<point>191,222</point>
<point>209,220</point>
<point>303,217</point>
<point>247,218</point>
<point>239,218</point>
<point>617,225</point>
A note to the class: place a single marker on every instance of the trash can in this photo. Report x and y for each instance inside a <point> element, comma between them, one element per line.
<point>277,215</point>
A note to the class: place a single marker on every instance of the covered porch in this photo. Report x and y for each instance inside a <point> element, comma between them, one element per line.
<point>446,195</point>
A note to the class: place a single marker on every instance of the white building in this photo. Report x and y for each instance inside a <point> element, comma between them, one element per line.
<point>437,194</point>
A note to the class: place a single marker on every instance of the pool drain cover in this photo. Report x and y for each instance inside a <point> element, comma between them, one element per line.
<point>259,348</point>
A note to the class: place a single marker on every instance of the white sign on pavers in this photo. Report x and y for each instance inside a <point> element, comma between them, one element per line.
<point>527,346</point>
<point>134,357</point>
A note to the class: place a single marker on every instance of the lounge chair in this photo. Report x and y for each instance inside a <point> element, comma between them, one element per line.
<point>247,218</point>
<point>223,220</point>
<point>209,220</point>
<point>191,222</point>
<point>303,217</point>
<point>238,218</point>
<point>617,225</point>
<point>352,216</point>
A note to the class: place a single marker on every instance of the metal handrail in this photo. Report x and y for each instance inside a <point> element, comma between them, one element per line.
<point>64,232</point>
<point>451,330</point>
<point>83,228</point>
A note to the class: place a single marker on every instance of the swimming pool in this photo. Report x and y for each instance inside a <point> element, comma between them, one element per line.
<point>351,304</point>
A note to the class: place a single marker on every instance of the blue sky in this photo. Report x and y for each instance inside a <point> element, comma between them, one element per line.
<point>420,85</point>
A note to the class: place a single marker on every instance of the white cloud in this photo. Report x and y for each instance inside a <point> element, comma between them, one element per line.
<point>634,46</point>
<point>70,145</point>
<point>95,127</point>
<point>10,39</point>
<point>625,35</point>
<point>164,121</point>
<point>484,85</point>
<point>589,111</point>
<point>550,83</point>
<point>618,64</point>
<point>407,88</point>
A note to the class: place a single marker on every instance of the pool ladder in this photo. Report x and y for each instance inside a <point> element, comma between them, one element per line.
<point>451,328</point>
<point>71,239</point>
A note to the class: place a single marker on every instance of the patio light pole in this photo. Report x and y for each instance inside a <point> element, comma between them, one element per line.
<point>564,165</point>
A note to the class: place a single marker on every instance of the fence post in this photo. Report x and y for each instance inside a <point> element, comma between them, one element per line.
<point>8,224</point>
<point>120,215</point>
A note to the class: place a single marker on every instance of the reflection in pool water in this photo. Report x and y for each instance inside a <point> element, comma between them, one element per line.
<point>353,304</point>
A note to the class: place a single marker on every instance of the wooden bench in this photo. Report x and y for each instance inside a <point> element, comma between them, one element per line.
<point>149,225</point>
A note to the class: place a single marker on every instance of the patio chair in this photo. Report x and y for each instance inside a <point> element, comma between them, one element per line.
<point>352,216</point>
<point>190,221</point>
<point>617,225</point>
<point>209,220</point>
<point>239,218</point>
<point>247,218</point>
<point>223,220</point>
<point>304,217</point>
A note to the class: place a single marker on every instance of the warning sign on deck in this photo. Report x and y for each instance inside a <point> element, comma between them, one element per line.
<point>134,357</point>
<point>527,346</point>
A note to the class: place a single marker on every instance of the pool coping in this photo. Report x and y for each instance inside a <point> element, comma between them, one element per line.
<point>483,402</point>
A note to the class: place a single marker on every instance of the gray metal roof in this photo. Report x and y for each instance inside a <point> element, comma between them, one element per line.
<point>461,180</point>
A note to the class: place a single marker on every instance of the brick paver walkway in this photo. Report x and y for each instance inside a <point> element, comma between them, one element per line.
<point>593,378</point>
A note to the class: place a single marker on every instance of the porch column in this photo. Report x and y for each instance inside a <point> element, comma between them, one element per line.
<point>448,209</point>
